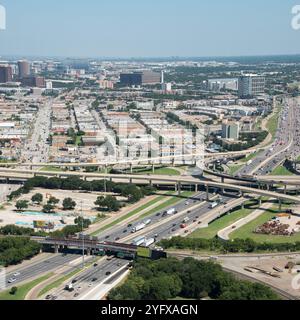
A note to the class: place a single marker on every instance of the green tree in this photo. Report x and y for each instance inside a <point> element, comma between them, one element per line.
<point>21,205</point>
<point>53,201</point>
<point>37,198</point>
<point>110,203</point>
<point>69,204</point>
<point>13,291</point>
<point>48,208</point>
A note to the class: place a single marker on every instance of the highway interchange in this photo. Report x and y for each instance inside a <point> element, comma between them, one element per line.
<point>286,144</point>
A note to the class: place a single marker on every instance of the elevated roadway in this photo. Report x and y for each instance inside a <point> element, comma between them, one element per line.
<point>150,179</point>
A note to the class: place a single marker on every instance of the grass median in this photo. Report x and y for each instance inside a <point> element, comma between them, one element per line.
<point>58,282</point>
<point>24,289</point>
<point>212,230</point>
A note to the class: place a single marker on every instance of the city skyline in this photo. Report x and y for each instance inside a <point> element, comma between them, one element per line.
<point>114,29</point>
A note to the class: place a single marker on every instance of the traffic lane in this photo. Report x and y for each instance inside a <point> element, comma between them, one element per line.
<point>120,231</point>
<point>168,230</point>
<point>40,268</point>
<point>91,278</point>
<point>192,213</point>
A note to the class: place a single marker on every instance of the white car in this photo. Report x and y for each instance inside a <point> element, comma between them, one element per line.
<point>16,274</point>
<point>12,280</point>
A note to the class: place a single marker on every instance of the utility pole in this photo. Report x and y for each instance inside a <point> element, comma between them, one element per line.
<point>82,235</point>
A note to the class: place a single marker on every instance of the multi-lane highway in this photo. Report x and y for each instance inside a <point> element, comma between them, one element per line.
<point>37,269</point>
<point>89,279</point>
<point>286,143</point>
<point>36,149</point>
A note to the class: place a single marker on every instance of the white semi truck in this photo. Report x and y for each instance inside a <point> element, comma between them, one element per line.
<point>148,242</point>
<point>171,211</point>
<point>138,227</point>
<point>139,241</point>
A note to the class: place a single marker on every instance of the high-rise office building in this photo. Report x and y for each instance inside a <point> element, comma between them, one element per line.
<point>24,69</point>
<point>140,78</point>
<point>251,85</point>
<point>38,82</point>
<point>5,74</point>
<point>230,130</point>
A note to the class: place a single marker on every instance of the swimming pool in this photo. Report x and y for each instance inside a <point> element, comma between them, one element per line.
<point>31,213</point>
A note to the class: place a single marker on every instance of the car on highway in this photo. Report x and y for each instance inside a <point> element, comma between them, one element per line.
<point>108,273</point>
<point>124,231</point>
<point>95,264</point>
<point>76,294</point>
<point>16,274</point>
<point>107,237</point>
<point>12,280</point>
<point>94,279</point>
<point>117,239</point>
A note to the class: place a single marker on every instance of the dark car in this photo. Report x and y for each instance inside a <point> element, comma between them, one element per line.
<point>108,273</point>
<point>94,279</point>
<point>117,239</point>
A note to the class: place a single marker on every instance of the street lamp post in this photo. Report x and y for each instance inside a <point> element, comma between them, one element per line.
<point>82,235</point>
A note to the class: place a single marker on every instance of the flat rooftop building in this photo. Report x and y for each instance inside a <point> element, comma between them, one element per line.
<point>140,78</point>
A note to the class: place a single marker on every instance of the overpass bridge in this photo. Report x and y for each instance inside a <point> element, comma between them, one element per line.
<point>171,159</point>
<point>92,245</point>
<point>178,181</point>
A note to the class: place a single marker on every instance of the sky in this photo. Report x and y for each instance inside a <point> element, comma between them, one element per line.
<point>148,28</point>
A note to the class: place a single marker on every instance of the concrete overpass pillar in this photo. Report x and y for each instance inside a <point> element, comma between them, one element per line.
<point>179,188</point>
<point>285,189</point>
<point>222,179</point>
<point>243,206</point>
<point>153,168</point>
<point>280,204</point>
<point>151,183</point>
<point>88,252</point>
<point>56,248</point>
<point>130,180</point>
<point>196,188</point>
<point>131,168</point>
<point>260,201</point>
<point>207,193</point>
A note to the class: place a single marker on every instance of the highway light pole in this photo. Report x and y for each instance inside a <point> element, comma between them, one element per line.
<point>82,235</point>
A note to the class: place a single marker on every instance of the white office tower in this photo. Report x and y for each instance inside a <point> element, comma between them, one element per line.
<point>251,85</point>
<point>162,77</point>
<point>49,85</point>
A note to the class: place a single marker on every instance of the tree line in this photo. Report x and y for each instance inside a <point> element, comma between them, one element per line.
<point>165,279</point>
<point>130,191</point>
<point>14,250</point>
<point>234,246</point>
